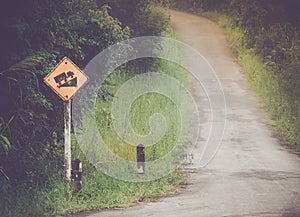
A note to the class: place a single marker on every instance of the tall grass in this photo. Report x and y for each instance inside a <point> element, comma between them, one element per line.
<point>140,112</point>
<point>99,191</point>
<point>142,108</point>
<point>281,103</point>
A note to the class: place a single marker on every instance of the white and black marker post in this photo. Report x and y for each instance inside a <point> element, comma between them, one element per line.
<point>65,80</point>
<point>140,156</point>
<point>67,131</point>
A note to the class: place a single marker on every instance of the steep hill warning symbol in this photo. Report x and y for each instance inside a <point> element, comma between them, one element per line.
<point>65,79</point>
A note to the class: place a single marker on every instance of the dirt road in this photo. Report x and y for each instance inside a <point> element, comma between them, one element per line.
<point>252,174</point>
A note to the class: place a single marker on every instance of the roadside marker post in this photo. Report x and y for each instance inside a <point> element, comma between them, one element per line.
<point>140,155</point>
<point>77,175</point>
<point>65,80</point>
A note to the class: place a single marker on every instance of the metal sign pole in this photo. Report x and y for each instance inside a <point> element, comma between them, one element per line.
<point>67,120</point>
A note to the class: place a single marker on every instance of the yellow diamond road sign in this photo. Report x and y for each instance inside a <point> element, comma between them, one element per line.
<point>65,79</point>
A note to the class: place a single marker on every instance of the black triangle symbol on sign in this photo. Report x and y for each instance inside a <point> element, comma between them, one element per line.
<point>70,83</point>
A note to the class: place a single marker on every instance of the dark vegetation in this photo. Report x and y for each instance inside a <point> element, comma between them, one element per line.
<point>266,32</point>
<point>35,35</point>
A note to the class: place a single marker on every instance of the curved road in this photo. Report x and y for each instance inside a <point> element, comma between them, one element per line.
<point>252,174</point>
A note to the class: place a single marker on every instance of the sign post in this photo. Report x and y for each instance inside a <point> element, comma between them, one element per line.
<point>65,80</point>
<point>67,122</point>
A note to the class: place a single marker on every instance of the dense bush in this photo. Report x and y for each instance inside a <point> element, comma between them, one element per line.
<point>144,18</point>
<point>35,35</point>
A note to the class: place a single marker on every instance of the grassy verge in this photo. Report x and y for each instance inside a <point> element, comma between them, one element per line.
<point>99,191</point>
<point>280,104</point>
<point>141,109</point>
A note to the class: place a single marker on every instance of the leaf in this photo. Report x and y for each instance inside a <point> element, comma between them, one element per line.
<point>5,143</point>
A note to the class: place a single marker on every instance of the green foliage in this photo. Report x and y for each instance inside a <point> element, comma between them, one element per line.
<point>75,28</point>
<point>4,141</point>
<point>30,131</point>
<point>145,19</point>
<point>152,21</point>
<point>141,110</point>
<point>44,32</point>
